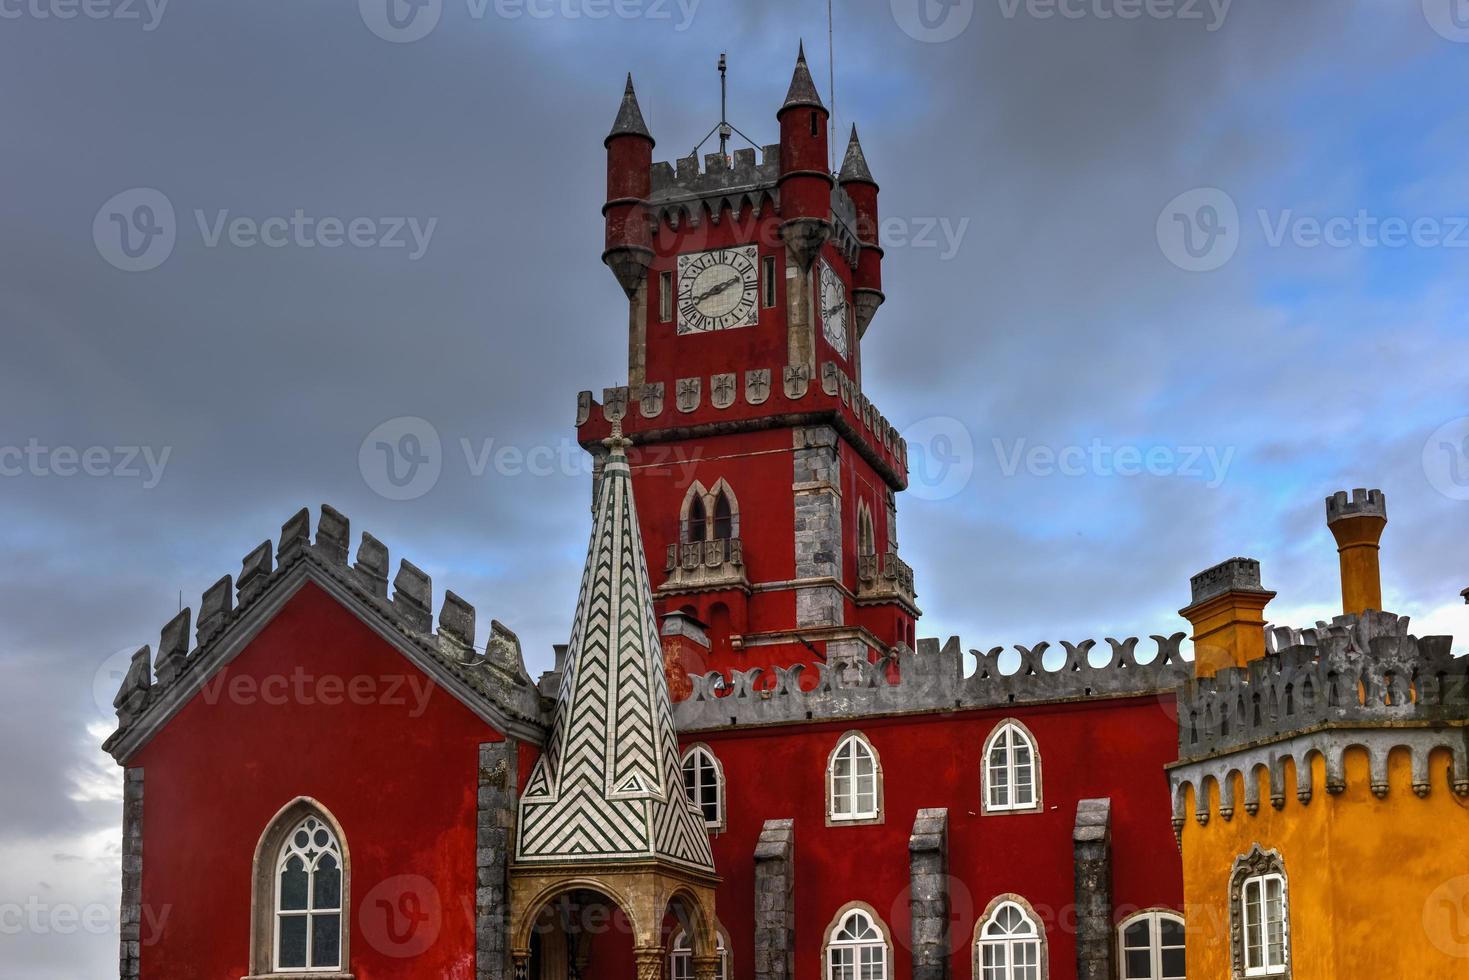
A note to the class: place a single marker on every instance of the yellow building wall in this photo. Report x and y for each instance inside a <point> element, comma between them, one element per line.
<point>1378,889</point>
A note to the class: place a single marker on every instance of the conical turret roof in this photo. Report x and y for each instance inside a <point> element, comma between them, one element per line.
<point>629,120</point>
<point>608,786</point>
<point>803,90</point>
<point>854,164</point>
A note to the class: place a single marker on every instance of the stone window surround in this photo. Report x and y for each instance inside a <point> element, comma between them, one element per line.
<point>710,498</point>
<point>1036,920</point>
<point>1258,862</point>
<point>1155,913</point>
<point>836,923</point>
<point>719,825</point>
<point>263,883</point>
<point>832,820</point>
<point>1038,805</point>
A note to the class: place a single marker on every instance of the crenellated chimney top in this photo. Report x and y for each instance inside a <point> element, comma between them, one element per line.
<point>1357,523</point>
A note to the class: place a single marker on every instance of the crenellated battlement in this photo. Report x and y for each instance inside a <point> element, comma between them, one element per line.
<point>1355,671</point>
<point>1362,503</point>
<point>232,611</point>
<point>684,179</point>
<point>931,679</point>
<point>1358,682</point>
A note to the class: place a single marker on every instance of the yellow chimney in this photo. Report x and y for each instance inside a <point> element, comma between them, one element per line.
<point>1357,525</point>
<point>1228,616</point>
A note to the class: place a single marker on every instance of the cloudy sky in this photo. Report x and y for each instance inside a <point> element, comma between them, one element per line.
<point>1226,238</point>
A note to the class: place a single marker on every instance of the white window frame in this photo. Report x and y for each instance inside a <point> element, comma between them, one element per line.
<point>842,806</point>
<point>1154,918</point>
<point>1015,734</point>
<point>1034,938</point>
<point>857,954</point>
<point>1261,883</point>
<point>681,956</point>
<point>312,824</point>
<point>700,753</point>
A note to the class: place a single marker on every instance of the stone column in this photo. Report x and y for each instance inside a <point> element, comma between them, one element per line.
<point>650,962</point>
<point>495,827</point>
<point>131,914</point>
<point>775,908</point>
<point>707,967</point>
<point>1092,853</point>
<point>928,872</point>
<point>522,966</point>
<point>818,501</point>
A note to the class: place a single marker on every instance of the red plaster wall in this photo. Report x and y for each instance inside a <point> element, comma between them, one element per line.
<point>400,779</point>
<point>1115,749</point>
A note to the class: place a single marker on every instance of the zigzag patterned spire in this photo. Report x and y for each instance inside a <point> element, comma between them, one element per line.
<point>609,786</point>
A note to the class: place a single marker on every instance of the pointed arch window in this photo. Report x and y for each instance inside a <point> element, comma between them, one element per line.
<point>723,516</point>
<point>1012,770</point>
<point>854,782</point>
<point>1260,912</point>
<point>1009,945</point>
<point>866,539</point>
<point>301,894</point>
<point>696,528</point>
<point>703,779</point>
<point>857,947</point>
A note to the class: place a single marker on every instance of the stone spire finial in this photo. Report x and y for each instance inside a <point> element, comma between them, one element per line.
<point>617,442</point>
<point>803,90</point>
<point>629,120</point>
<point>854,164</point>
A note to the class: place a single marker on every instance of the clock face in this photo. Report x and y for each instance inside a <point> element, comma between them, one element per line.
<point>833,309</point>
<point>718,290</point>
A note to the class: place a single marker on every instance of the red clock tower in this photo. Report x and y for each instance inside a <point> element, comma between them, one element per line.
<point>764,478</point>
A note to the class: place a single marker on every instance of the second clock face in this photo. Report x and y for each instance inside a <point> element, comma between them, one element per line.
<point>718,290</point>
<point>833,299</point>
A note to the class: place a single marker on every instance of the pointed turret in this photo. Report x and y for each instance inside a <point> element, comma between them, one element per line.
<point>629,120</point>
<point>803,90</point>
<point>608,786</point>
<point>854,164</point>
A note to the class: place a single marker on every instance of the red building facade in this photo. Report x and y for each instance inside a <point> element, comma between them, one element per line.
<point>354,777</point>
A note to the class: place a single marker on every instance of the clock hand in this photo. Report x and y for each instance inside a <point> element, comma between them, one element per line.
<point>831,310</point>
<point>716,290</point>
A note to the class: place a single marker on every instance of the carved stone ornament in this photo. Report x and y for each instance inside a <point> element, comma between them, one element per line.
<point>583,407</point>
<point>1257,862</point>
<point>722,390</point>
<point>689,392</point>
<point>797,380</point>
<point>757,386</point>
<point>614,404</point>
<point>651,401</point>
<point>829,378</point>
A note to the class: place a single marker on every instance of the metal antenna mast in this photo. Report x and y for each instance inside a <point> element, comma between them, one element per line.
<point>831,66</point>
<point>724,128</point>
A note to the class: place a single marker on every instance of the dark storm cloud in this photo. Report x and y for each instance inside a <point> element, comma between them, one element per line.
<point>1039,153</point>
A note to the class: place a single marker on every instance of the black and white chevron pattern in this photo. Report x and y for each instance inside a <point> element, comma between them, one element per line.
<point>608,785</point>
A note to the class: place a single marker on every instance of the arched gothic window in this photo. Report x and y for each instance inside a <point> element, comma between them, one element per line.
<point>681,957</point>
<point>854,782</point>
<point>697,527</point>
<point>301,894</point>
<point>1012,770</point>
<point>866,539</point>
<point>1009,945</point>
<point>703,780</point>
<point>710,515</point>
<point>857,947</point>
<point>723,517</point>
<point>1259,901</point>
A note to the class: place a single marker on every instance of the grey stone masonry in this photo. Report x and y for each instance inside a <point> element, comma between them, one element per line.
<point>495,828</point>
<point>1091,844</point>
<point>931,679</point>
<point>928,877</point>
<point>775,904</point>
<point>1234,575</point>
<point>818,527</point>
<point>131,913</point>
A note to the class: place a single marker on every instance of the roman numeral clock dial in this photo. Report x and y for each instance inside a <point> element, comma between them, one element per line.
<point>834,309</point>
<point>718,290</point>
